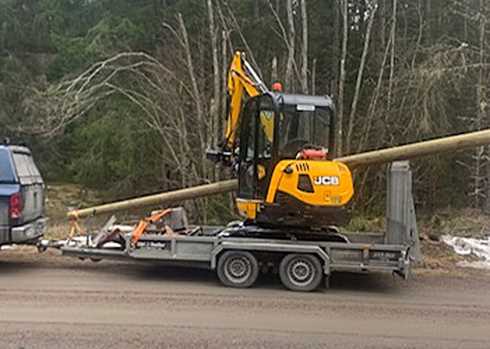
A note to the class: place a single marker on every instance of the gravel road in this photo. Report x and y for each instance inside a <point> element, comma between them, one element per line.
<point>48,301</point>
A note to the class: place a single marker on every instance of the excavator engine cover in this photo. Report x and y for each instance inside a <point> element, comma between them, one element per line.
<point>310,193</point>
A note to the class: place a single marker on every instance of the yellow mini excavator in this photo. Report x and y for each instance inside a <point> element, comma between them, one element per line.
<point>281,146</point>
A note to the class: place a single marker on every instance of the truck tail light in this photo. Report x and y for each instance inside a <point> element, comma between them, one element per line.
<point>15,206</point>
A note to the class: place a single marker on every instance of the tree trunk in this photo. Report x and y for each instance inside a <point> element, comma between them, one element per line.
<point>197,95</point>
<point>343,57</point>
<point>374,100</point>
<point>304,52</point>
<point>382,32</point>
<point>216,78</point>
<point>392,56</point>
<point>335,59</point>
<point>481,120</point>
<point>224,79</point>
<point>313,77</point>
<point>291,47</point>
<point>274,75</point>
<point>360,73</point>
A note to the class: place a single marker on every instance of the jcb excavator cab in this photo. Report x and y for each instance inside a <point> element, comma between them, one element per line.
<point>284,146</point>
<point>276,127</point>
<point>284,178</point>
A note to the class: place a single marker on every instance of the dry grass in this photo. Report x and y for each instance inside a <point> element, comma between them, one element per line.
<point>61,198</point>
<point>465,223</point>
<point>57,231</point>
<point>366,224</point>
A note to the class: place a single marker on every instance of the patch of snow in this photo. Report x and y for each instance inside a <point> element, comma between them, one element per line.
<point>469,246</point>
<point>8,247</point>
<point>474,264</point>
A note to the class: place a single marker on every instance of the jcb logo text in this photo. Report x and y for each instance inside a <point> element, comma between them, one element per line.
<point>326,180</point>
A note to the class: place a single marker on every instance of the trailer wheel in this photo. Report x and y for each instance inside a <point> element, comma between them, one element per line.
<point>238,269</point>
<point>300,272</point>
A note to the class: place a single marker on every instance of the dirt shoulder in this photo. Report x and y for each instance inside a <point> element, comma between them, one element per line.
<point>52,301</point>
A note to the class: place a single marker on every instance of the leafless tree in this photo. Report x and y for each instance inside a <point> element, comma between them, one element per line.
<point>343,58</point>
<point>373,7</point>
<point>304,50</point>
<point>215,102</point>
<point>393,50</point>
<point>291,45</point>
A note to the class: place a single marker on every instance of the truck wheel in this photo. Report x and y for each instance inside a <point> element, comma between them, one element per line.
<point>238,269</point>
<point>300,272</point>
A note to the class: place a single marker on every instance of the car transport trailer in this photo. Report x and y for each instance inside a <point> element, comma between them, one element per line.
<point>238,253</point>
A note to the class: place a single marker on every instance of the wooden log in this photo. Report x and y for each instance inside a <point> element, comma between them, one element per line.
<point>158,199</point>
<point>414,150</point>
<point>404,152</point>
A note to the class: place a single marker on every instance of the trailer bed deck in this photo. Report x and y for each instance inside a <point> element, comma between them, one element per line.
<point>205,251</point>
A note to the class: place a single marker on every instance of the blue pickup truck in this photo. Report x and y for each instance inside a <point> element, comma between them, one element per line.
<point>22,218</point>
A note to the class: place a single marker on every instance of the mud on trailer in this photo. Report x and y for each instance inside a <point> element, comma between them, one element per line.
<point>238,253</point>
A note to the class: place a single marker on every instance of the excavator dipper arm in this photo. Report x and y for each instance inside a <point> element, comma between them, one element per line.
<point>242,80</point>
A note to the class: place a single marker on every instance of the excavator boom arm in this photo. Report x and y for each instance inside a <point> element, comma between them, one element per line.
<point>242,80</point>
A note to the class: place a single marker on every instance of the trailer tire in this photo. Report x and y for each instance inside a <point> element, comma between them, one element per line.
<point>301,272</point>
<point>238,269</point>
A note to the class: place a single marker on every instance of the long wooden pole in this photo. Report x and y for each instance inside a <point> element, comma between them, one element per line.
<point>404,152</point>
<point>415,150</point>
<point>158,199</point>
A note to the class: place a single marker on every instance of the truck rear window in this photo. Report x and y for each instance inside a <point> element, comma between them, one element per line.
<point>26,169</point>
<point>6,173</point>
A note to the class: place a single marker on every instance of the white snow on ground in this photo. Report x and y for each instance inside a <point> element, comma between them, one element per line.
<point>469,246</point>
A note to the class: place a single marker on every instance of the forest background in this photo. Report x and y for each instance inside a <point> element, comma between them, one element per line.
<point>125,96</point>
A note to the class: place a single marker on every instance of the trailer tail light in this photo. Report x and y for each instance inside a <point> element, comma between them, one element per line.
<point>15,206</point>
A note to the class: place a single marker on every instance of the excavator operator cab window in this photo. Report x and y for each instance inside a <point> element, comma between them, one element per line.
<point>303,126</point>
<point>256,144</point>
